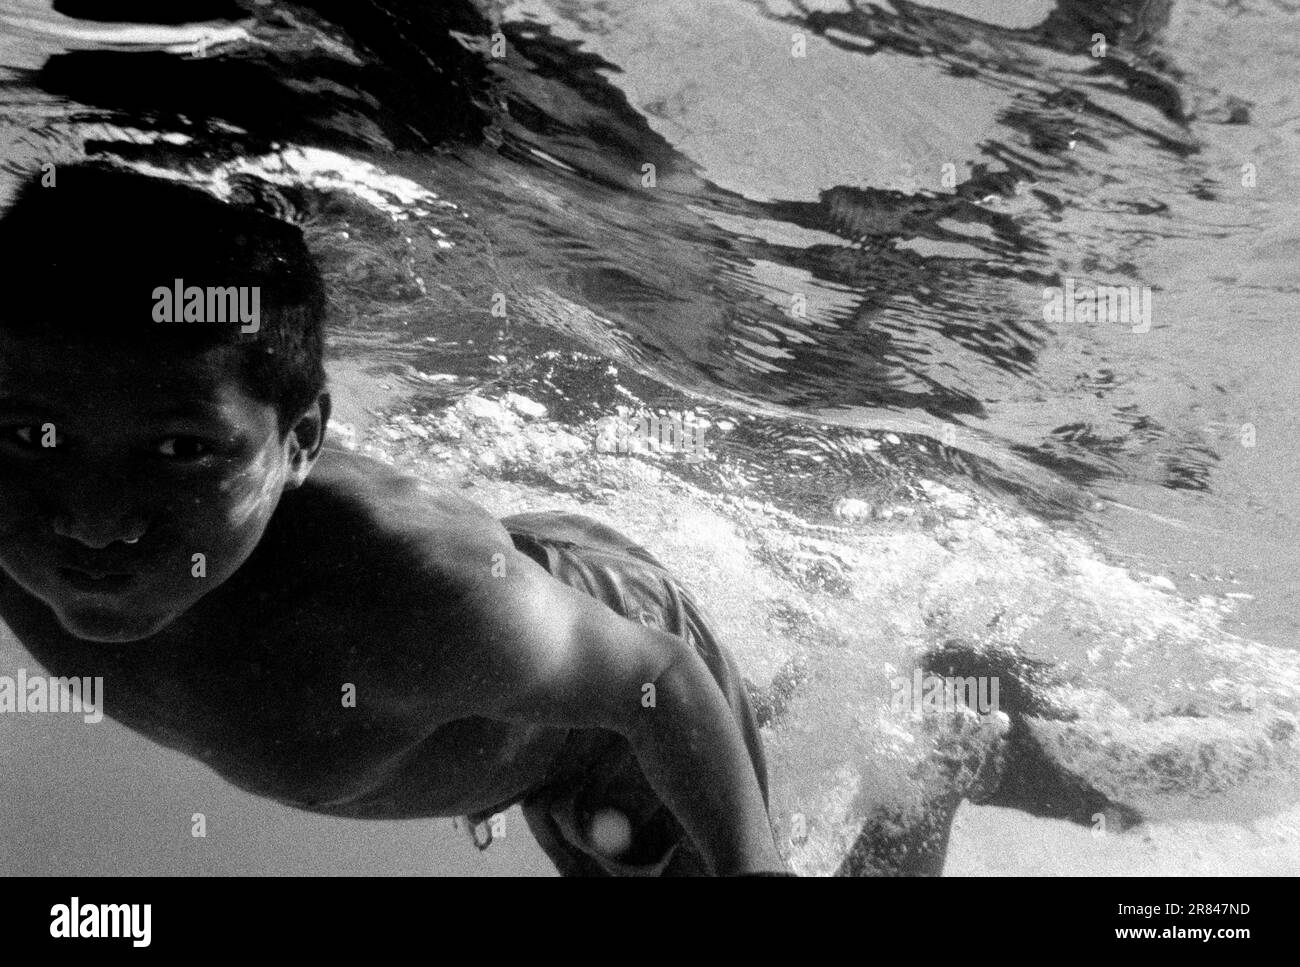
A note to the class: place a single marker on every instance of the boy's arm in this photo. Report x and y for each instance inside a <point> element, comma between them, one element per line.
<point>545,653</point>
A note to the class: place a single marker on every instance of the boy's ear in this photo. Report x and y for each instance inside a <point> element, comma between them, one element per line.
<point>306,439</point>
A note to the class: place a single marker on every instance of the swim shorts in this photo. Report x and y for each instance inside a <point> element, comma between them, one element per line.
<point>596,768</point>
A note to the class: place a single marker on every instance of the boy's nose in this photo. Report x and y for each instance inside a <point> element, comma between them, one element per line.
<point>96,509</point>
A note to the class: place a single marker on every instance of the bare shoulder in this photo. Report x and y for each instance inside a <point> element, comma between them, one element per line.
<point>374,526</point>
<point>476,626</point>
<point>394,497</point>
<point>460,608</point>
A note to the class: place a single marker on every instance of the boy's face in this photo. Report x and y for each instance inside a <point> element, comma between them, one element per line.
<point>157,458</point>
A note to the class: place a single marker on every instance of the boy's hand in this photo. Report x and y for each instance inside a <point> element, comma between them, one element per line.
<point>544,653</point>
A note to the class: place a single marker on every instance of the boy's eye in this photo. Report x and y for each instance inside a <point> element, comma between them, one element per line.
<point>183,448</point>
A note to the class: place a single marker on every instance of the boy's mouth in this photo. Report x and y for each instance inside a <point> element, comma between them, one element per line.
<point>96,581</point>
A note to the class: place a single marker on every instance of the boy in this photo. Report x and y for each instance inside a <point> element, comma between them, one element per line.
<point>170,519</point>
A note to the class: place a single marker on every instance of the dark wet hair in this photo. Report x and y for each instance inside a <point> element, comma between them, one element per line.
<point>82,259</point>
